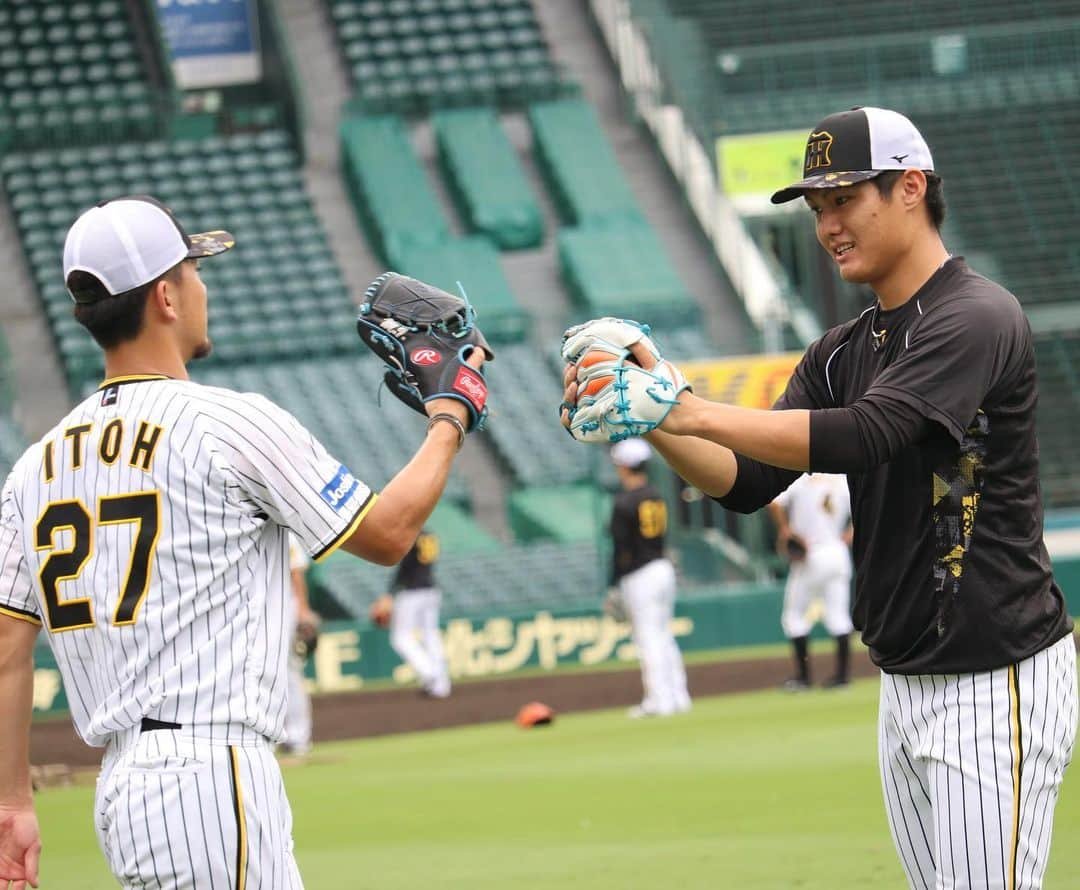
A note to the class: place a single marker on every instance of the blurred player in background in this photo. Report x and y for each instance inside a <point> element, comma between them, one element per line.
<point>296,733</point>
<point>414,618</point>
<point>646,581</point>
<point>148,532</point>
<point>813,532</point>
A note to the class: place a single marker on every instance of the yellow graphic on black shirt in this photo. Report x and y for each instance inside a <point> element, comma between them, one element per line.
<point>956,492</point>
<point>427,549</point>
<point>652,518</point>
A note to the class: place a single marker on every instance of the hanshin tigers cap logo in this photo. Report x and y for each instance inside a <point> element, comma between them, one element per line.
<point>853,146</point>
<point>128,242</point>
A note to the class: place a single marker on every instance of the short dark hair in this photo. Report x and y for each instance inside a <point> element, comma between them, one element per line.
<point>112,320</point>
<point>935,193</point>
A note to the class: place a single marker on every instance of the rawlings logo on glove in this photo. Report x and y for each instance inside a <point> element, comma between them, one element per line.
<point>616,397</point>
<point>425,336</point>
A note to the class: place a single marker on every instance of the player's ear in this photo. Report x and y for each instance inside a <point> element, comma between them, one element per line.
<point>161,299</point>
<point>912,188</point>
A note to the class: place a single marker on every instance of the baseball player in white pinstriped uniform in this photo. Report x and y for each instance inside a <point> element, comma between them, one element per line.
<point>813,528</point>
<point>926,402</point>
<point>148,533</point>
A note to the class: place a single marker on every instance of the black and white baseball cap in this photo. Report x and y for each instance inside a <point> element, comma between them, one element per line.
<point>128,242</point>
<point>856,145</point>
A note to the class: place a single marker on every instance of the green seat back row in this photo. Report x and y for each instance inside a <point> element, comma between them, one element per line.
<point>279,293</point>
<point>729,23</point>
<point>388,185</point>
<point>569,513</point>
<point>73,72</point>
<point>623,270</point>
<point>486,178</point>
<point>416,58</point>
<point>583,174</point>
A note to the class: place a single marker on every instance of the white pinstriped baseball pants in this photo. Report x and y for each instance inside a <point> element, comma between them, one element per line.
<point>970,769</point>
<point>177,812</point>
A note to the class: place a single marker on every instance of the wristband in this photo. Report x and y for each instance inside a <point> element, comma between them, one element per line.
<point>457,424</point>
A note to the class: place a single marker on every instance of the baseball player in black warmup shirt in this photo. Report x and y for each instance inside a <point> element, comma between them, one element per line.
<point>414,621</point>
<point>926,402</point>
<point>646,581</point>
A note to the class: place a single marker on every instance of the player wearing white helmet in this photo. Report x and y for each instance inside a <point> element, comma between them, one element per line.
<point>645,579</point>
<point>147,532</point>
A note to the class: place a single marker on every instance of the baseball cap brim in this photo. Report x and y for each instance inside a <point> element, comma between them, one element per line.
<point>822,181</point>
<point>210,243</point>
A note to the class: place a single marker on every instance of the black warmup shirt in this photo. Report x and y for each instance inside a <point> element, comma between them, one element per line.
<point>638,526</point>
<point>952,574</point>
<point>414,571</point>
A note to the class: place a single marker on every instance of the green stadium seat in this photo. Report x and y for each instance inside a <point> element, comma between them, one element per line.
<point>486,178</point>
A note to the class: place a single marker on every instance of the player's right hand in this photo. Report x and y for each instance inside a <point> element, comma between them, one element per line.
<point>20,846</point>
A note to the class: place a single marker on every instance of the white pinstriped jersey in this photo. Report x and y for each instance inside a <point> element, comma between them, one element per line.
<point>148,532</point>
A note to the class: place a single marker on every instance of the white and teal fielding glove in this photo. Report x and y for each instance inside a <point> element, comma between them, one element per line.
<point>617,398</point>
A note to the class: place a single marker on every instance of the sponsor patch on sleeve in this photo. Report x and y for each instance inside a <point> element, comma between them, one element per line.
<point>338,490</point>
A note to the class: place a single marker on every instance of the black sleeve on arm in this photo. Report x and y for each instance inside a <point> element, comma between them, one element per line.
<point>872,431</point>
<point>756,484</point>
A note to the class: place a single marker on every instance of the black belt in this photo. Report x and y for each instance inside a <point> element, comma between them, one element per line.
<point>149,724</point>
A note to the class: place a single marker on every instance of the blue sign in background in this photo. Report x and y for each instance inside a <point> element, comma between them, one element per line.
<point>202,27</point>
<point>211,41</point>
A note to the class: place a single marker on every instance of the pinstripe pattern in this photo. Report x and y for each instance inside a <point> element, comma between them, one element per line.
<point>207,642</point>
<point>970,769</point>
<point>173,810</point>
<point>148,531</point>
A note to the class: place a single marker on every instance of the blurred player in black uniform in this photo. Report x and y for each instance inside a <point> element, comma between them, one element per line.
<point>646,581</point>
<point>414,621</point>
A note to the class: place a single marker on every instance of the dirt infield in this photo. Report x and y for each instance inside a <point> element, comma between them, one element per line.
<point>360,714</point>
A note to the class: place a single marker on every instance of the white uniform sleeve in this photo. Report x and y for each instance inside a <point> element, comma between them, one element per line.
<point>288,473</point>
<point>17,598</point>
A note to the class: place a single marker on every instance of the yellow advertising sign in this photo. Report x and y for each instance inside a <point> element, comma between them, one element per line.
<point>751,381</point>
<point>760,163</point>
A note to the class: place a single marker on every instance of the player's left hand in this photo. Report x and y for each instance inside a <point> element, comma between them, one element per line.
<point>428,340</point>
<point>20,846</point>
<point>617,384</point>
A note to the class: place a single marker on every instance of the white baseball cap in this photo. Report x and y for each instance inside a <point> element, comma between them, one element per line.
<point>852,146</point>
<point>128,242</point>
<point>630,453</point>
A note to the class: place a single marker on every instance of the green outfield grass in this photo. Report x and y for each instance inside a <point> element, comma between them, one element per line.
<point>750,791</point>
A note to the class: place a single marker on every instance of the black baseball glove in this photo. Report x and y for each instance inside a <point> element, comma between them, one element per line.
<point>424,335</point>
<point>306,639</point>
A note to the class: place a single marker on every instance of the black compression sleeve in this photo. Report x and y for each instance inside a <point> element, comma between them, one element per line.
<point>863,435</point>
<point>756,484</point>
